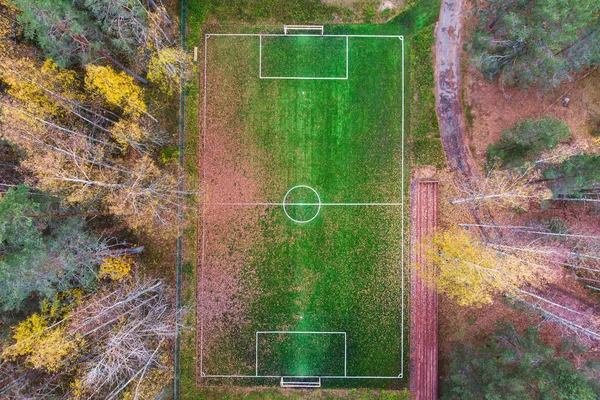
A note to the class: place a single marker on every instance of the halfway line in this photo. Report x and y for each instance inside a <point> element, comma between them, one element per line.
<point>305,204</point>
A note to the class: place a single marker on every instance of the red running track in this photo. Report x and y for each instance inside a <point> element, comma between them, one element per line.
<point>423,299</point>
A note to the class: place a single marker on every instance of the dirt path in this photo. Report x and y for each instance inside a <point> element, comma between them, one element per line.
<point>449,109</point>
<point>424,300</point>
<point>448,88</point>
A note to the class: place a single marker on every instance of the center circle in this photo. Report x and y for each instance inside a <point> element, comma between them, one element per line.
<point>301,196</point>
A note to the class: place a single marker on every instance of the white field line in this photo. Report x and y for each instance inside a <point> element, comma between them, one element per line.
<point>301,332</point>
<point>203,245</point>
<point>302,376</point>
<point>204,142</point>
<point>260,57</point>
<point>403,224</point>
<point>345,354</point>
<point>304,34</point>
<point>268,204</point>
<point>306,78</point>
<point>338,78</point>
<point>347,57</point>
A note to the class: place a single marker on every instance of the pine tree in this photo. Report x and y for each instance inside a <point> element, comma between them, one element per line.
<point>67,34</point>
<point>536,42</point>
<point>510,365</point>
<point>122,21</point>
<point>41,256</point>
<point>527,140</point>
<point>575,176</point>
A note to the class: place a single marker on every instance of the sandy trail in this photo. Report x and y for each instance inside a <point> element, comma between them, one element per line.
<point>448,87</point>
<point>451,118</point>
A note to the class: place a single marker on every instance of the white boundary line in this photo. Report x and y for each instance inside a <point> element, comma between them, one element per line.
<point>267,204</point>
<point>401,37</point>
<point>335,78</point>
<point>322,377</point>
<point>204,127</point>
<point>402,233</point>
<point>403,227</point>
<point>347,56</point>
<point>303,333</point>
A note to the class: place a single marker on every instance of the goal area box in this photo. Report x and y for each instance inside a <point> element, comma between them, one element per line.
<point>303,57</point>
<point>301,281</point>
<point>301,354</point>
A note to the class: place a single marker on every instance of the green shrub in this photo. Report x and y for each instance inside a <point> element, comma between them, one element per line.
<point>169,155</point>
<point>527,140</point>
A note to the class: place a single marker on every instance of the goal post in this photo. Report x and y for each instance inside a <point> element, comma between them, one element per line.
<point>288,28</point>
<point>300,383</point>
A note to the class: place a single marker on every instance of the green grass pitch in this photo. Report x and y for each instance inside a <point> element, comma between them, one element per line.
<point>302,224</point>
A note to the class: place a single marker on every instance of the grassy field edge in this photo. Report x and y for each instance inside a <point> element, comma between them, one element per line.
<point>416,20</point>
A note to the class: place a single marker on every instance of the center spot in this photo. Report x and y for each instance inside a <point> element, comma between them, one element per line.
<point>301,204</point>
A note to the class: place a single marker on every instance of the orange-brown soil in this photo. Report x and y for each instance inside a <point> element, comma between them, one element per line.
<point>494,109</point>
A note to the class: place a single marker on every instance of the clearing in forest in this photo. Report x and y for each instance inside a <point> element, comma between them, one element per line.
<point>301,278</point>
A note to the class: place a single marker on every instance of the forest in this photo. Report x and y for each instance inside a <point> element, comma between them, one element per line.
<point>89,93</point>
<point>95,195</point>
<point>518,249</point>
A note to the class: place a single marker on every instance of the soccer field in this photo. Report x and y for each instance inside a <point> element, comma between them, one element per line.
<point>302,248</point>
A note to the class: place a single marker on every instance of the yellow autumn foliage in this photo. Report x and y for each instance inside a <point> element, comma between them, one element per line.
<point>7,29</point>
<point>42,348</point>
<point>78,390</point>
<point>126,130</point>
<point>51,349</point>
<point>61,304</point>
<point>23,334</point>
<point>116,268</point>
<point>151,386</point>
<point>36,86</point>
<point>167,67</point>
<point>471,273</point>
<point>118,88</point>
<point>65,79</point>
